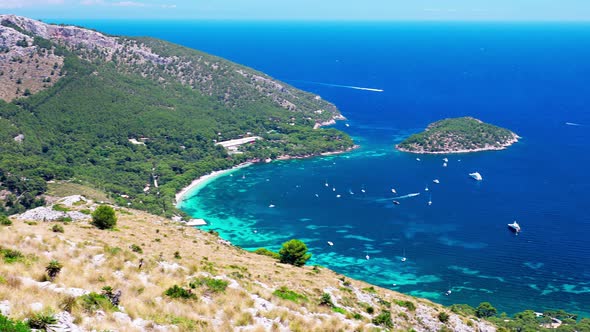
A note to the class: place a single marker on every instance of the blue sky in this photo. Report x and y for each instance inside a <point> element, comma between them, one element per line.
<point>478,10</point>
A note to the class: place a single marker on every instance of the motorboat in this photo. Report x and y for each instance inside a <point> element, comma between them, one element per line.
<point>476,176</point>
<point>515,227</point>
<point>436,181</point>
<point>396,202</point>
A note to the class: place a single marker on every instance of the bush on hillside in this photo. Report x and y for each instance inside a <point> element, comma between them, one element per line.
<point>294,252</point>
<point>104,217</point>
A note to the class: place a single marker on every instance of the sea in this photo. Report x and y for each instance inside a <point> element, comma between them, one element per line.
<point>391,79</point>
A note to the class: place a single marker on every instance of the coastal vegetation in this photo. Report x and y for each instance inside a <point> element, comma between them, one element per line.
<point>294,252</point>
<point>139,119</point>
<point>465,134</point>
<point>213,286</point>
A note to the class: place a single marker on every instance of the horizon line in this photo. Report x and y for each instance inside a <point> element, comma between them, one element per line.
<point>314,20</point>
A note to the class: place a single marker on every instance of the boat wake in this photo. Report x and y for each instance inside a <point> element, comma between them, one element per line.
<point>341,86</point>
<point>407,196</point>
<point>573,124</point>
<point>396,198</point>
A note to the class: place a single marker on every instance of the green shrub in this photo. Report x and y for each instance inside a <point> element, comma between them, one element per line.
<point>485,309</point>
<point>57,228</point>
<point>212,284</point>
<point>287,294</point>
<point>59,207</point>
<point>5,221</point>
<point>8,325</point>
<point>11,256</point>
<point>177,292</point>
<point>463,309</point>
<point>136,248</point>
<point>41,321</point>
<point>65,219</point>
<point>104,217</point>
<point>92,302</point>
<point>326,300</point>
<point>339,310</point>
<point>443,317</point>
<point>53,269</point>
<point>407,304</point>
<point>177,255</point>
<point>383,319</point>
<point>266,252</point>
<point>370,310</point>
<point>294,252</point>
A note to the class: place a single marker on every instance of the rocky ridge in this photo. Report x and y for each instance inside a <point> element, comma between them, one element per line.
<point>151,58</point>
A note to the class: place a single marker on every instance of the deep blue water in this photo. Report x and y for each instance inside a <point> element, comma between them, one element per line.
<point>530,78</point>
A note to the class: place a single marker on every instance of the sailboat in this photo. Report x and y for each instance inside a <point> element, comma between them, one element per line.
<point>367,254</point>
<point>426,189</point>
<point>404,256</point>
<point>430,201</point>
<point>326,184</point>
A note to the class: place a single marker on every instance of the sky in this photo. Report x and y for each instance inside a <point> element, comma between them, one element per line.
<point>361,10</point>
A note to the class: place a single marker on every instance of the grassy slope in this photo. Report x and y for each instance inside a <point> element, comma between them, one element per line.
<point>254,277</point>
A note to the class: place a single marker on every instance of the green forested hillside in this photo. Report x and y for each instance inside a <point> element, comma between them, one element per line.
<point>81,126</point>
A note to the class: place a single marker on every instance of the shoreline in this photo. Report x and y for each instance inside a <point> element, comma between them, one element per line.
<point>200,182</point>
<point>491,148</point>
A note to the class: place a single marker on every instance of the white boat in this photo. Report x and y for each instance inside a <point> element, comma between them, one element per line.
<point>429,202</point>
<point>436,181</point>
<point>326,184</point>
<point>393,191</point>
<point>446,160</point>
<point>271,206</point>
<point>367,257</point>
<point>417,159</point>
<point>338,196</point>
<point>448,292</point>
<point>351,192</point>
<point>476,176</point>
<point>330,243</point>
<point>404,256</point>
<point>316,195</point>
<point>347,125</point>
<point>333,189</point>
<point>363,191</point>
<point>426,189</point>
<point>444,164</point>
<point>514,227</point>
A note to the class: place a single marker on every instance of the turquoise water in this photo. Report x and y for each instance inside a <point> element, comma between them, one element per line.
<point>530,78</point>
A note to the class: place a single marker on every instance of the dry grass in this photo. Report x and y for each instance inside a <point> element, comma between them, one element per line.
<point>94,258</point>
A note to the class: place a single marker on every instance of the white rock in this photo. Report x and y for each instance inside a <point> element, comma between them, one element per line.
<point>170,266</point>
<point>121,318</point>
<point>98,259</point>
<point>70,200</point>
<point>5,308</point>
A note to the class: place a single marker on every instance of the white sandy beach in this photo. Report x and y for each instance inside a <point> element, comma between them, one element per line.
<point>200,182</point>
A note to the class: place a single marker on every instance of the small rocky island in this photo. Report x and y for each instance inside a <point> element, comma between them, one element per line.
<point>458,135</point>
